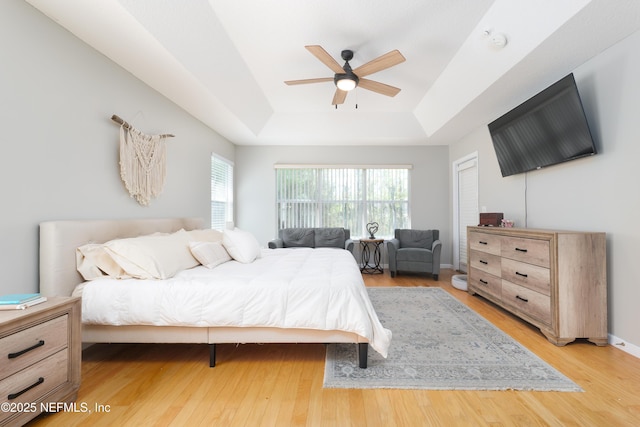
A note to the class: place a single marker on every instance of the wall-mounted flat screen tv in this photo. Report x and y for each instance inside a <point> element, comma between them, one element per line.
<point>547,129</point>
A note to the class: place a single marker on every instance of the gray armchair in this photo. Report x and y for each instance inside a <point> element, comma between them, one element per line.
<point>415,251</point>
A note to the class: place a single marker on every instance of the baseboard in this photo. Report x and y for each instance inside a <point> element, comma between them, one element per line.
<point>627,347</point>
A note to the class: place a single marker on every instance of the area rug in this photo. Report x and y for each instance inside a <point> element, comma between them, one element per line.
<point>440,344</point>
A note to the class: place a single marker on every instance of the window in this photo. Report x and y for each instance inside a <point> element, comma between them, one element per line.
<point>349,197</point>
<point>221,192</point>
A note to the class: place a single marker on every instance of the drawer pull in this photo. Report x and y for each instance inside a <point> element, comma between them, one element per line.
<point>483,262</point>
<point>522,299</point>
<point>521,274</point>
<point>26,350</point>
<point>14,395</point>
<point>484,282</point>
<point>482,243</point>
<point>521,250</point>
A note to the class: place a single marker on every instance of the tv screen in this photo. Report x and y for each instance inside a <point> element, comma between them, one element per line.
<point>547,129</point>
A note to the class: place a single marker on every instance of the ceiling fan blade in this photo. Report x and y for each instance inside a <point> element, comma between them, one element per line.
<point>380,63</point>
<point>307,81</point>
<point>378,87</point>
<point>325,58</point>
<point>339,97</point>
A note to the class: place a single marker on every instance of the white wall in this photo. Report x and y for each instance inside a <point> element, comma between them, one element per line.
<point>60,148</point>
<point>598,193</point>
<point>255,183</point>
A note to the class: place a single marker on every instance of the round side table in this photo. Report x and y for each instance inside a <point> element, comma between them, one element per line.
<point>369,267</point>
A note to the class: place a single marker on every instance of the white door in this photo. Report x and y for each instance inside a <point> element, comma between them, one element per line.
<point>465,206</point>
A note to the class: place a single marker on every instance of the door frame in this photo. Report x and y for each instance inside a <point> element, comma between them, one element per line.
<point>456,205</point>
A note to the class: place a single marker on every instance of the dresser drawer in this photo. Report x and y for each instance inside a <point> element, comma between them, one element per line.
<point>28,346</point>
<point>485,282</point>
<point>527,301</point>
<point>30,384</point>
<point>485,262</point>
<point>484,242</point>
<point>527,275</point>
<point>531,251</point>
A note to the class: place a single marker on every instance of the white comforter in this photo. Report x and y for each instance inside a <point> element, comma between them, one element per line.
<point>285,288</point>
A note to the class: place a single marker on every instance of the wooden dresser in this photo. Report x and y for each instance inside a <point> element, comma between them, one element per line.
<point>555,280</point>
<point>40,348</point>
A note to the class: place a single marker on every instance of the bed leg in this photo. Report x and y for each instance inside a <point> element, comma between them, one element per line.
<point>212,355</point>
<point>363,349</point>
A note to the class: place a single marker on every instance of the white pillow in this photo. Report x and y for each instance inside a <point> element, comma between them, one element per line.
<point>93,261</point>
<point>241,245</point>
<point>156,256</point>
<point>210,254</point>
<point>205,235</point>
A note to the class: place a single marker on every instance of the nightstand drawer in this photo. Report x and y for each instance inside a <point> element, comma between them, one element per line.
<point>531,303</point>
<point>28,346</point>
<point>29,385</point>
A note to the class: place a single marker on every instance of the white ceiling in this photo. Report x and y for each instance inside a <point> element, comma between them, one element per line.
<point>225,62</point>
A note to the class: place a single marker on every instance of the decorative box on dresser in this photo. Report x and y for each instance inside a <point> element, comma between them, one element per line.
<point>41,353</point>
<point>555,280</point>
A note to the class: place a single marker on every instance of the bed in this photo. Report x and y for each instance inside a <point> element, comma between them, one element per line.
<point>313,295</point>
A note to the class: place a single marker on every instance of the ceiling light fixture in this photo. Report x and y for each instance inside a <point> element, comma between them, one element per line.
<point>346,81</point>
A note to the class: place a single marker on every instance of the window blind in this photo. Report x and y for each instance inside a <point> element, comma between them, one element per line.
<point>349,197</point>
<point>221,192</point>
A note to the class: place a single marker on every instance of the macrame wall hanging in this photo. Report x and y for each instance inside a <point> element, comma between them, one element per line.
<point>143,166</point>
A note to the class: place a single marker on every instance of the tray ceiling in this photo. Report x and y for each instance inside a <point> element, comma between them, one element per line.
<point>225,62</point>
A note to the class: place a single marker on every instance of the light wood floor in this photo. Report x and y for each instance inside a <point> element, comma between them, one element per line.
<point>281,385</point>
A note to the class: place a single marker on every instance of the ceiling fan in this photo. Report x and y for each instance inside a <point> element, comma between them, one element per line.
<point>347,79</point>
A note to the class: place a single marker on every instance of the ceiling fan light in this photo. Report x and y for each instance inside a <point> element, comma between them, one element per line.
<point>346,82</point>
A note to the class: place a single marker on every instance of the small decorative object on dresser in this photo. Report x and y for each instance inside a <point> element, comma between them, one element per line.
<point>41,348</point>
<point>491,219</point>
<point>555,280</point>
<point>507,223</point>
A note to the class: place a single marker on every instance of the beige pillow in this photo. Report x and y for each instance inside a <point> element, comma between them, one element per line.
<point>205,235</point>
<point>241,245</point>
<point>154,256</point>
<point>93,261</point>
<point>210,254</point>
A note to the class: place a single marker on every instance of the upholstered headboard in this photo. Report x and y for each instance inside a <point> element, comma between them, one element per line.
<point>59,240</point>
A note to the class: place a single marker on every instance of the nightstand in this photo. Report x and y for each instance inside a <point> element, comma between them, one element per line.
<point>41,350</point>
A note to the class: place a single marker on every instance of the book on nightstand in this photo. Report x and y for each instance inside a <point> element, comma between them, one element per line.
<point>20,301</point>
